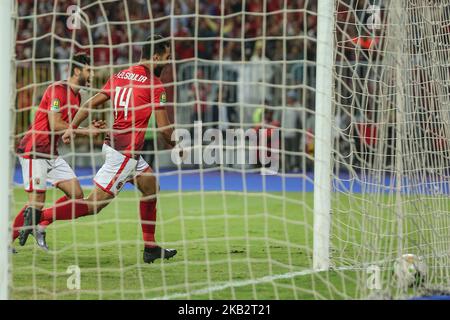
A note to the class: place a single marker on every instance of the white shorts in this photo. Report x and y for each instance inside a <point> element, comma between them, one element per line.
<point>37,172</point>
<point>118,170</point>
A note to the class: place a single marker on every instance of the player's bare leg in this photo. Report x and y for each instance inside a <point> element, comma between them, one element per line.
<point>148,185</point>
<point>97,200</point>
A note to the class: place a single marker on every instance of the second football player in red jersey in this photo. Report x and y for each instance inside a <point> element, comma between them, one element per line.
<point>135,93</point>
<point>38,149</point>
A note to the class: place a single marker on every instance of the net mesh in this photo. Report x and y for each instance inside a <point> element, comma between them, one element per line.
<point>392,114</point>
<point>246,65</point>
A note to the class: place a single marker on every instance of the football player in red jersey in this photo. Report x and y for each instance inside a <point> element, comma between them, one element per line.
<point>135,93</point>
<point>38,149</point>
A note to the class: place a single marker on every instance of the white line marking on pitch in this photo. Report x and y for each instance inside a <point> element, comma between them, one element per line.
<point>243,283</point>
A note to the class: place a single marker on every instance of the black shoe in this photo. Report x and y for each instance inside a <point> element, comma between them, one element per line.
<point>151,254</point>
<point>31,218</point>
<point>39,235</point>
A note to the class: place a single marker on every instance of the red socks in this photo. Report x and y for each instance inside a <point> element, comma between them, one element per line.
<point>64,210</point>
<point>147,211</point>
<point>45,223</point>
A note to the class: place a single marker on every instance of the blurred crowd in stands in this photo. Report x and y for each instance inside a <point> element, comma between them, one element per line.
<point>208,31</point>
<point>266,52</point>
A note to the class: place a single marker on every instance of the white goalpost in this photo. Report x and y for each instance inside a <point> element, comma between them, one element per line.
<point>323,142</point>
<point>6,26</point>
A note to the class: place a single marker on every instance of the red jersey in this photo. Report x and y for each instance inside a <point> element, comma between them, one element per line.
<point>39,141</point>
<point>134,94</point>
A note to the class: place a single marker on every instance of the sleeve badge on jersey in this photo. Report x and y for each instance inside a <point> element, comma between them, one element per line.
<point>163,98</point>
<point>56,105</point>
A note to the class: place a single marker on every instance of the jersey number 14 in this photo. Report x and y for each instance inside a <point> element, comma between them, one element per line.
<point>122,99</point>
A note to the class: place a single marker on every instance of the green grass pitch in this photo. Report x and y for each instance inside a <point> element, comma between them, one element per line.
<point>224,241</point>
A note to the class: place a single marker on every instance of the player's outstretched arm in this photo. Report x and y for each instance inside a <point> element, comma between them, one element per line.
<point>165,127</point>
<point>94,128</point>
<point>59,126</point>
<point>99,99</point>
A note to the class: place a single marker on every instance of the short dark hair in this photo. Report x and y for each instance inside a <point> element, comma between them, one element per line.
<point>157,43</point>
<point>79,60</point>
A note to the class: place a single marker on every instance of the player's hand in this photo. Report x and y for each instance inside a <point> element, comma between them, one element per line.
<point>96,127</point>
<point>68,135</point>
<point>99,124</point>
<point>94,130</point>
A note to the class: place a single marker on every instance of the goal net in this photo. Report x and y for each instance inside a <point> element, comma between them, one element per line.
<point>390,153</point>
<point>241,205</point>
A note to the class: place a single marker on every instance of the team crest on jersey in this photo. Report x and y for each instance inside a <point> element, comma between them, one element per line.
<point>119,185</point>
<point>37,181</point>
<point>163,98</point>
<point>56,105</point>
